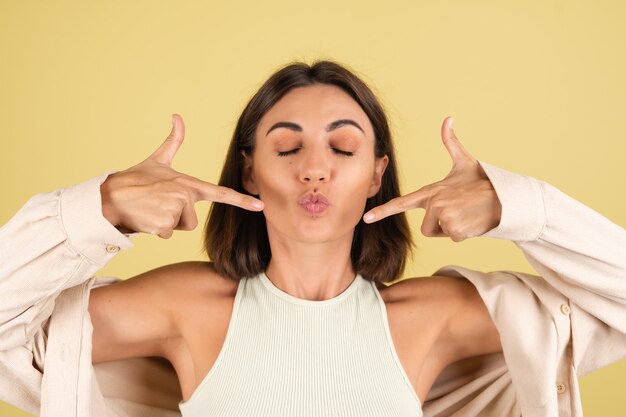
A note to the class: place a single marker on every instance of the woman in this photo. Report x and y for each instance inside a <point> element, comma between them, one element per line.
<point>293,317</point>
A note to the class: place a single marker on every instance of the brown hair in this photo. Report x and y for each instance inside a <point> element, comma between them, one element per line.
<point>236,239</point>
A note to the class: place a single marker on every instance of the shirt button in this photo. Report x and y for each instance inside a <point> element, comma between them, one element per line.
<point>565,309</point>
<point>560,388</point>
<point>112,248</point>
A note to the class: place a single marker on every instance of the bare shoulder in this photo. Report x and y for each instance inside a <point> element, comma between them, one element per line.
<point>198,280</point>
<point>426,303</point>
<point>192,278</point>
<point>194,289</point>
<point>431,289</point>
<point>180,282</point>
<point>454,307</point>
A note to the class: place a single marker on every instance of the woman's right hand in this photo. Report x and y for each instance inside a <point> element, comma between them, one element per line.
<point>153,198</point>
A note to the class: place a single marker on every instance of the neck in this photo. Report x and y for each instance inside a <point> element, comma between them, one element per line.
<point>311,271</point>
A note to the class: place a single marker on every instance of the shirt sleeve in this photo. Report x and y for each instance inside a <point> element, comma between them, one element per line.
<point>575,249</point>
<point>57,240</point>
<point>578,252</point>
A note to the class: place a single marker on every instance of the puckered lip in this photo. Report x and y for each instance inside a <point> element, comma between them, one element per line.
<point>313,198</point>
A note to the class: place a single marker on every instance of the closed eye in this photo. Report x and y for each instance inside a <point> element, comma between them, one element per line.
<point>295,150</point>
<point>291,152</point>
<point>345,153</point>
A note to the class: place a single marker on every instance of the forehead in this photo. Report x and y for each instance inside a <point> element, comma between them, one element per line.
<point>314,107</point>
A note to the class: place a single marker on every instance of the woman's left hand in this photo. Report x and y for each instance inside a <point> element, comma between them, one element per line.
<point>464,204</point>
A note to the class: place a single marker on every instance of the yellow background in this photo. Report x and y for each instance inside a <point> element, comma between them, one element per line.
<point>536,87</point>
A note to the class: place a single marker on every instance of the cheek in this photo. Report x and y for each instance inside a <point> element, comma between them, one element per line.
<point>352,213</point>
<point>355,195</point>
<point>273,192</point>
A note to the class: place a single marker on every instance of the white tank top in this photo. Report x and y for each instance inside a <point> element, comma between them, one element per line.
<point>287,356</point>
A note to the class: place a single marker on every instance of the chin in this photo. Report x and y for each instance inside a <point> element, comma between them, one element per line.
<point>316,230</point>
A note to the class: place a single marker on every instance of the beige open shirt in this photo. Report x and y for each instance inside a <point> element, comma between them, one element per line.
<point>553,328</point>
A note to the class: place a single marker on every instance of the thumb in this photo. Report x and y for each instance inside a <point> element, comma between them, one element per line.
<point>457,152</point>
<point>166,152</point>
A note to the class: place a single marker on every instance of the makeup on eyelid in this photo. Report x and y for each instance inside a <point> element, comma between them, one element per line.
<point>345,147</point>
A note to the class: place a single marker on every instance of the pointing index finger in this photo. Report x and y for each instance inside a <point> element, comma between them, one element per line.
<point>205,191</point>
<point>397,205</point>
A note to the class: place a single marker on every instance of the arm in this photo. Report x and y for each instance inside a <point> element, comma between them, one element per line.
<point>57,240</point>
<point>60,239</point>
<point>578,252</point>
<point>552,328</point>
<point>137,317</point>
<point>573,247</point>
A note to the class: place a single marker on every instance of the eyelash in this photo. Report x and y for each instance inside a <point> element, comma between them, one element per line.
<point>293,151</point>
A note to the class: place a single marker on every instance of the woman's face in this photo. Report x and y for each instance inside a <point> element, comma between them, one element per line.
<point>314,165</point>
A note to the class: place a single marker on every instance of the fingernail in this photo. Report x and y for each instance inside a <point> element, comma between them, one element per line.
<point>257,204</point>
<point>368,217</point>
<point>451,123</point>
<point>173,120</point>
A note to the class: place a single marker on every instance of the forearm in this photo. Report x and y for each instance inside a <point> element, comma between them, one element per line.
<point>574,248</point>
<point>55,241</point>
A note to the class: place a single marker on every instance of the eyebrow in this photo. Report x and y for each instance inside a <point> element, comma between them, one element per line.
<point>331,126</point>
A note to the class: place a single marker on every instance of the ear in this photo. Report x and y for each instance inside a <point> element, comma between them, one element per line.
<point>247,174</point>
<point>379,169</point>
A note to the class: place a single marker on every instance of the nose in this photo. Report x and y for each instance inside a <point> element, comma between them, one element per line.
<point>315,167</point>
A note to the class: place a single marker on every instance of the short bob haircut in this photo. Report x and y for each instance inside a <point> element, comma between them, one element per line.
<point>236,239</point>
